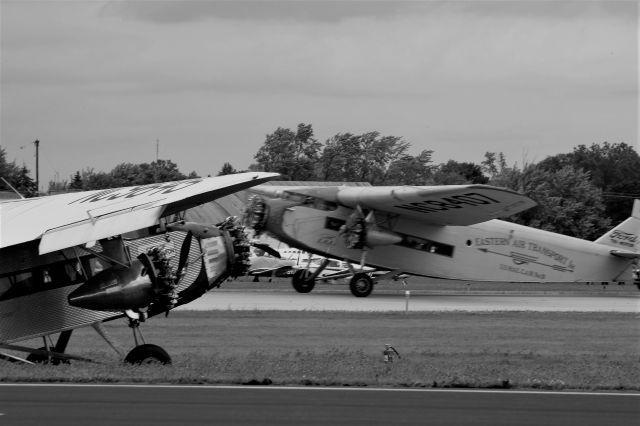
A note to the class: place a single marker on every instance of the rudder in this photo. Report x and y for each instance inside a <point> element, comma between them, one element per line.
<point>625,236</point>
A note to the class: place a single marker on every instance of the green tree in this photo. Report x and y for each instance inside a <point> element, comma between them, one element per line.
<point>8,170</point>
<point>18,177</point>
<point>292,154</point>
<point>410,170</point>
<point>614,168</point>
<point>128,174</point>
<point>227,169</point>
<point>501,175</point>
<point>362,158</point>
<point>76,181</point>
<point>24,184</point>
<point>97,180</point>
<point>455,173</point>
<point>568,202</point>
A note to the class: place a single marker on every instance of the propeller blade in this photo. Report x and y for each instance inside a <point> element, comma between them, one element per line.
<point>184,253</point>
<point>265,247</point>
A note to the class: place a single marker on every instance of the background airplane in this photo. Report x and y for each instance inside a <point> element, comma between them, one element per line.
<point>79,259</point>
<point>440,231</point>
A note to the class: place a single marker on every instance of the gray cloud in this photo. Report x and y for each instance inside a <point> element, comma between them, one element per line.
<point>248,10</point>
<point>331,11</point>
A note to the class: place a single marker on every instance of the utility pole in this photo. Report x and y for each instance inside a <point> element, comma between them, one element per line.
<point>157,149</point>
<point>37,144</point>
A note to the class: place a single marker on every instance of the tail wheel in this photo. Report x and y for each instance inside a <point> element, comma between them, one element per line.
<point>361,285</point>
<point>148,354</point>
<point>301,282</point>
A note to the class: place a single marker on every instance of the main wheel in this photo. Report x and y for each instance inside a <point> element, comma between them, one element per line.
<point>301,282</point>
<point>361,285</point>
<point>148,354</point>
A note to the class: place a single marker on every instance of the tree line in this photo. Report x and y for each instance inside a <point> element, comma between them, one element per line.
<point>582,193</point>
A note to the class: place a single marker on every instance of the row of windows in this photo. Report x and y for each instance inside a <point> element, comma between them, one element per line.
<point>48,277</point>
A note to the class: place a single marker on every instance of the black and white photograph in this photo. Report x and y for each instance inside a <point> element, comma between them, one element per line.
<point>345,212</point>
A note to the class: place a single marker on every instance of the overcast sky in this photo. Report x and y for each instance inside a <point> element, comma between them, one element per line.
<point>98,82</point>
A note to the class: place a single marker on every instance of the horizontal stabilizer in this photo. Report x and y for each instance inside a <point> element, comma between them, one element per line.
<point>625,254</point>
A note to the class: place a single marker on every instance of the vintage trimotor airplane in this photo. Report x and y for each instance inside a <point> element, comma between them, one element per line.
<point>449,232</point>
<point>80,259</point>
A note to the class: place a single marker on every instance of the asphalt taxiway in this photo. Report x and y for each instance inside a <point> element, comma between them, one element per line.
<point>102,405</point>
<point>400,301</point>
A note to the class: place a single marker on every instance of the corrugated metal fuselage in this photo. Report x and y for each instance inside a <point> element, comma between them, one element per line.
<point>43,311</point>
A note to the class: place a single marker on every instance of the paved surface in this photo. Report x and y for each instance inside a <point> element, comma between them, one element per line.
<point>54,405</point>
<point>342,301</point>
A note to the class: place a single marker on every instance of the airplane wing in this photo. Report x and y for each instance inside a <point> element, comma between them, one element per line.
<point>66,220</point>
<point>437,205</point>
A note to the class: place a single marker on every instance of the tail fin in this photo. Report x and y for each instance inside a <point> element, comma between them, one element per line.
<point>625,236</point>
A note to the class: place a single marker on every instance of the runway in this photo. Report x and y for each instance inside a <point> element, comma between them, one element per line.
<point>100,405</point>
<point>378,302</point>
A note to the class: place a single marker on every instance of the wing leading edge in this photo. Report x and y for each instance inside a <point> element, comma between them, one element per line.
<point>66,220</point>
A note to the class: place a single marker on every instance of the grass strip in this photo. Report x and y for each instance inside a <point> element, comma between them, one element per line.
<point>523,350</point>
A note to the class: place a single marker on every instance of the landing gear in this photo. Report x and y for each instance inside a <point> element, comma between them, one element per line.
<point>144,353</point>
<point>303,281</point>
<point>148,354</point>
<point>50,354</point>
<point>361,284</point>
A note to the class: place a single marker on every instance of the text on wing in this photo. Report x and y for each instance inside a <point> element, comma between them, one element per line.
<point>136,191</point>
<point>448,203</point>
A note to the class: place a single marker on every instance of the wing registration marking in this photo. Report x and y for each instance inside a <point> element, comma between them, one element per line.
<point>471,199</point>
<point>136,191</point>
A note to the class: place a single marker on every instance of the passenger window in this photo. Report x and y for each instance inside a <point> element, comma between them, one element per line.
<point>5,284</point>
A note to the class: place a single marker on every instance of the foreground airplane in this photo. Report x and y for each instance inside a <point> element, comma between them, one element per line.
<point>80,259</point>
<point>439,231</point>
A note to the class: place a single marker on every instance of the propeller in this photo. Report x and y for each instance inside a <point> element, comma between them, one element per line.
<point>255,214</point>
<point>361,232</point>
<point>184,253</point>
<point>268,249</point>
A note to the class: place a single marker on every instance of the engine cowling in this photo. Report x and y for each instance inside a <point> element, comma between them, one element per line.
<point>115,289</point>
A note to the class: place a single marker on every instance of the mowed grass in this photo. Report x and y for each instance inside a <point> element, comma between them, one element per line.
<point>591,351</point>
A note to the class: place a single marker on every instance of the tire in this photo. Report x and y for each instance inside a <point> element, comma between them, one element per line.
<point>361,285</point>
<point>148,354</point>
<point>301,282</point>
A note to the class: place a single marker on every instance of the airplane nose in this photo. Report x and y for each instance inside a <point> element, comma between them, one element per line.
<point>114,290</point>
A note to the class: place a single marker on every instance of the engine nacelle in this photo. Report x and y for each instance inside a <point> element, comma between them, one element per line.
<point>115,289</point>
<point>149,279</point>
